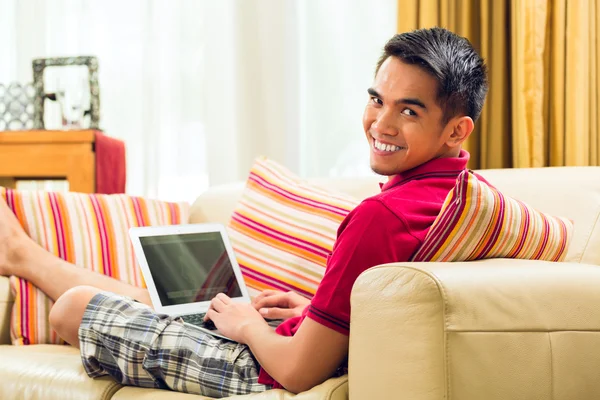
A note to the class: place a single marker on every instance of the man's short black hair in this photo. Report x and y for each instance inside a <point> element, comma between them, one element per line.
<point>451,59</point>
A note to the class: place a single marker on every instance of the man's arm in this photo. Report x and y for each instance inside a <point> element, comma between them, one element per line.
<point>370,235</point>
<point>302,361</point>
<point>298,363</point>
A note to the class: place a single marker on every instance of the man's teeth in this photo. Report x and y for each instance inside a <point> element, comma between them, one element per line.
<point>385,147</point>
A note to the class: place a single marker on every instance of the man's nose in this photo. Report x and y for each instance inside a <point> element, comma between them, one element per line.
<point>385,123</point>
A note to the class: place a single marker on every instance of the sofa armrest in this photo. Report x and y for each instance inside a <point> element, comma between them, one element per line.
<point>493,329</point>
<point>6,303</point>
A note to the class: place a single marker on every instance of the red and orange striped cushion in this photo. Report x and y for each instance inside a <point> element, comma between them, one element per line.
<point>283,229</point>
<point>90,231</point>
<point>478,222</point>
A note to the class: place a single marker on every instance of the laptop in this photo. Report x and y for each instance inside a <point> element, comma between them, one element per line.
<point>185,267</point>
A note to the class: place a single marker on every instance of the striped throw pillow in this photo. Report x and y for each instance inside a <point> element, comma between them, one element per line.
<point>283,229</point>
<point>478,222</point>
<point>90,231</point>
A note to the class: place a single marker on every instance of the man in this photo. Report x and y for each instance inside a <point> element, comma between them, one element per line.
<point>429,89</point>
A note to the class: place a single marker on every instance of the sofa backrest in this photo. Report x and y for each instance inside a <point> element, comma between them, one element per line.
<point>572,192</point>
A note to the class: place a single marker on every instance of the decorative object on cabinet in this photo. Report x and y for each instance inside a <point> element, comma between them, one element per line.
<point>16,106</point>
<point>69,87</point>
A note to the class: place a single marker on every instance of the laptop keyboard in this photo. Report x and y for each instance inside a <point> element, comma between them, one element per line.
<point>198,320</point>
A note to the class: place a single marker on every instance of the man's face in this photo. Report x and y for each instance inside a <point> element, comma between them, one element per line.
<point>402,120</point>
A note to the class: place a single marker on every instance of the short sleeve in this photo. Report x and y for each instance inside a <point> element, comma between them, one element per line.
<point>370,235</point>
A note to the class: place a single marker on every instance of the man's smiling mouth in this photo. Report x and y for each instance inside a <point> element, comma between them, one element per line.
<point>386,147</point>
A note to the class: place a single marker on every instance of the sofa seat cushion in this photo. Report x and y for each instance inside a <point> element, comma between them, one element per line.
<point>332,389</point>
<point>49,372</point>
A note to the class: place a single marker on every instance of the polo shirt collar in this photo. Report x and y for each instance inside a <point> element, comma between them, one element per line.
<point>431,168</point>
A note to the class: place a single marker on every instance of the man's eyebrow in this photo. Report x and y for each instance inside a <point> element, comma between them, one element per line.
<point>373,92</point>
<point>414,102</point>
<point>409,101</point>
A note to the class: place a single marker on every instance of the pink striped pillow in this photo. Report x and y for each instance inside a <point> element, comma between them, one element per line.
<point>478,222</point>
<point>283,229</point>
<point>90,231</point>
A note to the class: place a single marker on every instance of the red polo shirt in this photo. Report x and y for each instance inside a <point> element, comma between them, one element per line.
<point>386,228</point>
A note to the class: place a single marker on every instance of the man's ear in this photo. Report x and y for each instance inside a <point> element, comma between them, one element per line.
<point>461,128</point>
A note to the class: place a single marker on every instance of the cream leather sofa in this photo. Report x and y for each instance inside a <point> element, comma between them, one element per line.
<point>489,330</point>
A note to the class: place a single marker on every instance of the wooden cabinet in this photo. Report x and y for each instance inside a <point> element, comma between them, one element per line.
<point>49,155</point>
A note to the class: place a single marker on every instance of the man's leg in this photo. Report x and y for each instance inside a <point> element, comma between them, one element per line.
<point>22,257</point>
<point>136,346</point>
<point>67,312</point>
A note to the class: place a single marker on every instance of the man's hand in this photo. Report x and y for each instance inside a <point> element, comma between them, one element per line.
<point>273,304</point>
<point>234,320</point>
<point>298,362</point>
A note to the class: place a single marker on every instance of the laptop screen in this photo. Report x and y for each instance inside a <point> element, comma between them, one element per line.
<point>189,268</point>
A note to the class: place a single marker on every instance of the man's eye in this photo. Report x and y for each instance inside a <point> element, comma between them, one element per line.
<point>376,100</point>
<point>408,111</point>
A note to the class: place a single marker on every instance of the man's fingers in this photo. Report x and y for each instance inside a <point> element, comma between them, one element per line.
<point>211,315</point>
<point>224,298</point>
<point>278,300</point>
<point>206,318</point>
<point>217,304</point>
<point>276,313</point>
<point>263,294</point>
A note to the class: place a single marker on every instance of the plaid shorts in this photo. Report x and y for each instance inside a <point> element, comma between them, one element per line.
<point>136,346</point>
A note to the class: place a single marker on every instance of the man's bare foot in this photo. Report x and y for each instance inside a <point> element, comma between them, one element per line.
<point>13,239</point>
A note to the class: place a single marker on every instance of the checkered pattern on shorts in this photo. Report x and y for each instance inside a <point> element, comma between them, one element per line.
<point>136,346</point>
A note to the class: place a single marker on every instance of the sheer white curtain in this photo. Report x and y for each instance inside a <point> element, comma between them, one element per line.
<point>151,56</point>
<point>300,71</point>
<point>199,88</point>
<point>341,42</point>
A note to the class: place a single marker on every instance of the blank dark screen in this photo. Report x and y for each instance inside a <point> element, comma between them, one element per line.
<point>189,268</point>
